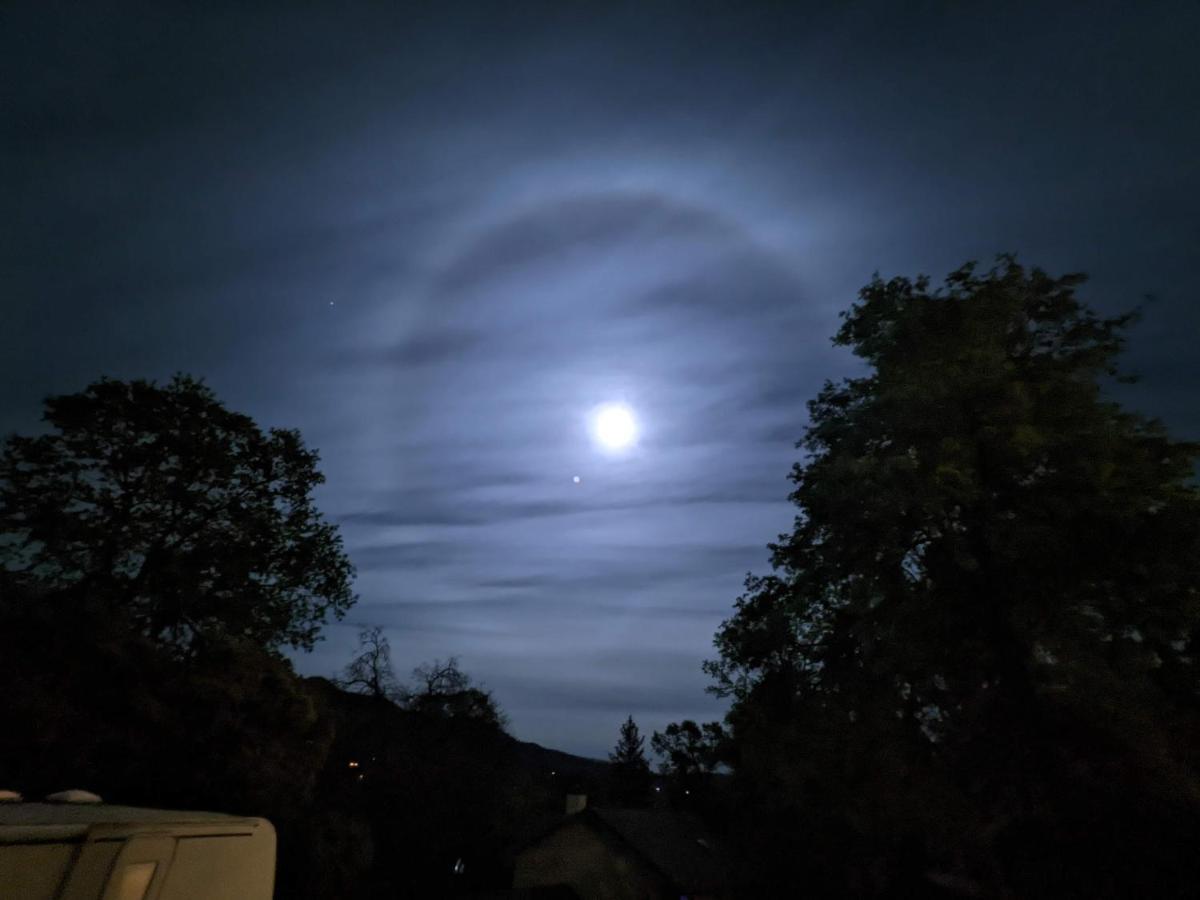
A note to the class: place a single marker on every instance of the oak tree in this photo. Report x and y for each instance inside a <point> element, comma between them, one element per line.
<point>980,636</point>
<point>177,515</point>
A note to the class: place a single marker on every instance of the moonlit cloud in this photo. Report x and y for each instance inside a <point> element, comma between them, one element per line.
<point>437,243</point>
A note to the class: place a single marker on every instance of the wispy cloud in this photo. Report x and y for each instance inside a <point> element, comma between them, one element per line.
<point>433,244</point>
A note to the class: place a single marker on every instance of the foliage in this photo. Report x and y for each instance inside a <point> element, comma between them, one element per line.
<point>629,749</point>
<point>370,672</point>
<point>431,790</point>
<point>176,514</point>
<point>689,756</point>
<point>157,551</point>
<point>129,666</point>
<point>442,690</point>
<point>978,646</point>
<point>630,771</point>
<point>229,727</point>
<point>688,750</point>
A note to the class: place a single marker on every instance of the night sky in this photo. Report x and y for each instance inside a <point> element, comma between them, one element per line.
<point>435,237</point>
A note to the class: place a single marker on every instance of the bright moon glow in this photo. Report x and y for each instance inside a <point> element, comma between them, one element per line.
<point>614,426</point>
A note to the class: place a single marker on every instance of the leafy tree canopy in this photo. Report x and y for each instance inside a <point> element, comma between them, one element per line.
<point>443,690</point>
<point>171,511</point>
<point>687,749</point>
<point>992,589</point>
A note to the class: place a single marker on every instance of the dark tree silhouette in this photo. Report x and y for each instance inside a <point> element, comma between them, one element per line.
<point>630,771</point>
<point>687,750</point>
<point>978,653</point>
<point>180,516</point>
<point>125,517</point>
<point>370,671</point>
<point>443,690</point>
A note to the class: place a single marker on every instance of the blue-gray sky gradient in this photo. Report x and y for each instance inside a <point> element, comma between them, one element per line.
<point>433,237</point>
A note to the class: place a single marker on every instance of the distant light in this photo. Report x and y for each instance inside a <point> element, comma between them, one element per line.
<point>687,792</point>
<point>353,764</point>
<point>657,789</point>
<point>576,479</point>
<point>614,426</point>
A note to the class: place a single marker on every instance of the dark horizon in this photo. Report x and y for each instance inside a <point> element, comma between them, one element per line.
<point>436,242</point>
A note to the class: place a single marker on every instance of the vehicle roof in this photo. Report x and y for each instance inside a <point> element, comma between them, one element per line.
<point>59,821</point>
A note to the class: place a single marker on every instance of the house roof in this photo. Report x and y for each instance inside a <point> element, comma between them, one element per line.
<point>675,844</point>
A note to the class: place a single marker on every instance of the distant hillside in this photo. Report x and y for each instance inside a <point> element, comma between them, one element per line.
<point>565,765</point>
<point>537,760</point>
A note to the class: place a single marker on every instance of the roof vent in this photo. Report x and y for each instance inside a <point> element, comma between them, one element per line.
<point>73,796</point>
<point>10,797</point>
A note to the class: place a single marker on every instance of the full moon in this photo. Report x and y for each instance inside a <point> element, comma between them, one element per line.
<point>614,426</point>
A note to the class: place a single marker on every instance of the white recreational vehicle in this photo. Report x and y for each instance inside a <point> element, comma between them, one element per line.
<point>81,849</point>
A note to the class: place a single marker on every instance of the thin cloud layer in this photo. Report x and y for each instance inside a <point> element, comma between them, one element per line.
<point>436,242</point>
